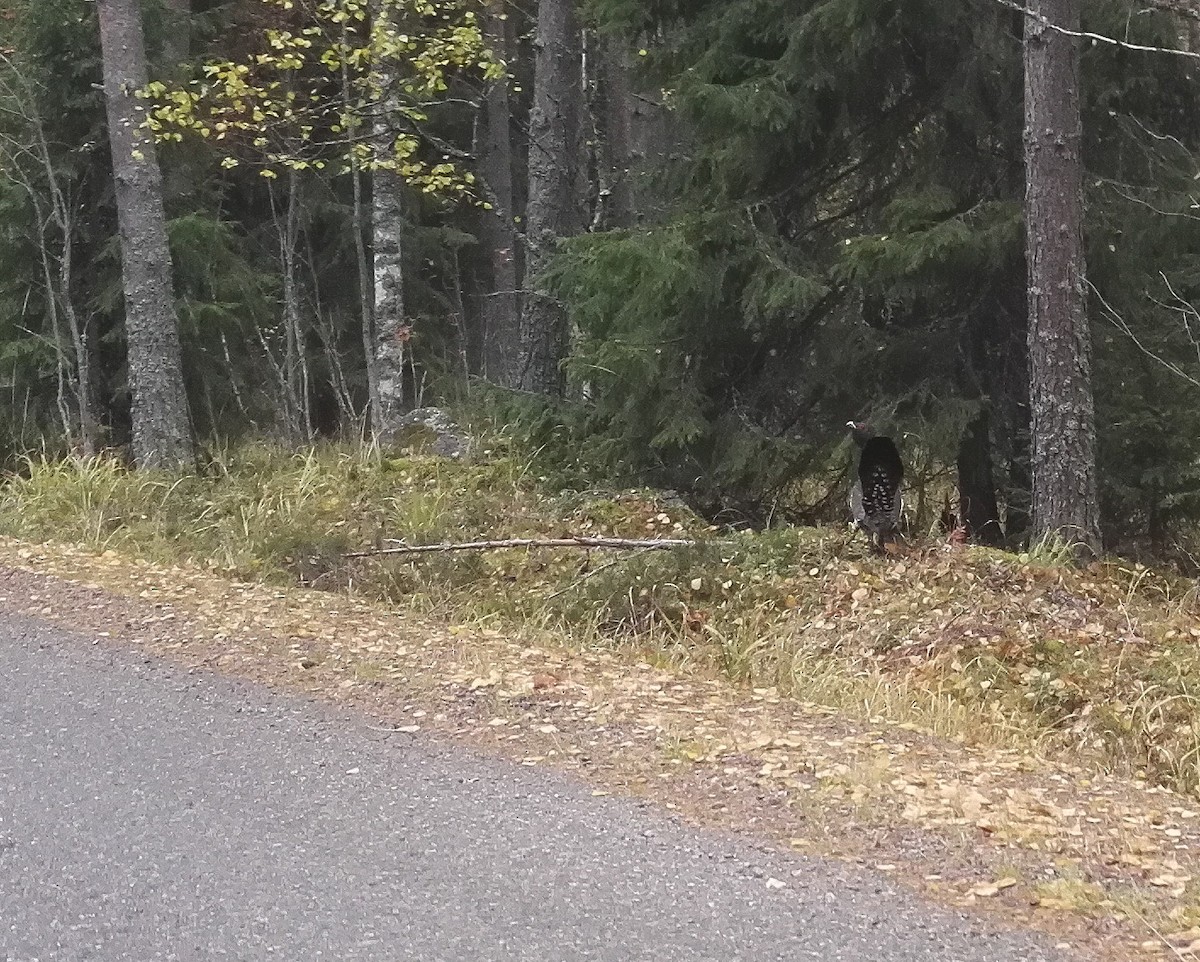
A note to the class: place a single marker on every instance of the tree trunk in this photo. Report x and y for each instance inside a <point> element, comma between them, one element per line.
<point>392,332</point>
<point>298,411</point>
<point>978,509</point>
<point>366,290</point>
<point>501,276</point>
<point>177,33</point>
<point>658,138</point>
<point>1018,494</point>
<point>554,209</point>
<point>366,279</point>
<point>162,436</point>
<point>612,107</point>
<point>1065,502</point>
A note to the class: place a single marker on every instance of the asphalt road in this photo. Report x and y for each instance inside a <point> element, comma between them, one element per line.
<point>148,813</point>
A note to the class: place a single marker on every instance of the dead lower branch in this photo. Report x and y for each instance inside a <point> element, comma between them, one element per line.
<point>619,544</point>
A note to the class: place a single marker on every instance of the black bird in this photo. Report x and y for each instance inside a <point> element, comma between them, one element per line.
<point>875,499</point>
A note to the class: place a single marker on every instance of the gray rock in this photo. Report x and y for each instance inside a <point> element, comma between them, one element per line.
<point>433,431</point>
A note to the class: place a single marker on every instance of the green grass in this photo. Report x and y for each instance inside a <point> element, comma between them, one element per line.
<point>976,644</point>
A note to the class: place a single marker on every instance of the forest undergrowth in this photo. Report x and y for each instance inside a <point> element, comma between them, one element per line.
<point>977,645</point>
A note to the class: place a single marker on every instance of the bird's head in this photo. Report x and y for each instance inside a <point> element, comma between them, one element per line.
<point>861,431</point>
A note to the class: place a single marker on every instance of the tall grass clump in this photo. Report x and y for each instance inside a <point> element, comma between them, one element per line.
<point>254,510</point>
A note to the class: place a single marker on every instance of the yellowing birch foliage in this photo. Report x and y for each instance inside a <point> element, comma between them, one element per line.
<point>327,77</point>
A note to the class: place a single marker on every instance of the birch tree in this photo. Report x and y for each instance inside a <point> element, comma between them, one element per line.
<point>348,86</point>
<point>392,333</point>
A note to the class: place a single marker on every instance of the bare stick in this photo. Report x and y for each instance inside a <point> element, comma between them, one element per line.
<point>1113,317</point>
<point>1099,37</point>
<point>635,544</point>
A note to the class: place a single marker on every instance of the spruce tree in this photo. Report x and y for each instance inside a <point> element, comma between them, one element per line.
<point>846,236</point>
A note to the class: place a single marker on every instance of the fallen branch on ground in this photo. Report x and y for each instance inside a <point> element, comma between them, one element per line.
<point>626,544</point>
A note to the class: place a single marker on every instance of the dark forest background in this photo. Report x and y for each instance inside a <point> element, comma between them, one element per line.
<point>679,242</point>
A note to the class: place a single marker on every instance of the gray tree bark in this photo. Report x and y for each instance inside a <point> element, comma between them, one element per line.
<point>177,37</point>
<point>366,287</point>
<point>162,435</point>
<point>501,301</point>
<point>366,278</point>
<point>297,408</point>
<point>978,509</point>
<point>613,113</point>
<point>1065,501</point>
<point>554,209</point>
<point>658,138</point>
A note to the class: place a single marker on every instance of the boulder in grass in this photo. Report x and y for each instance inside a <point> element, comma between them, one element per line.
<point>432,431</point>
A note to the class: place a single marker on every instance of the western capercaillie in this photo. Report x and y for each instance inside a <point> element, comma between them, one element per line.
<point>875,498</point>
